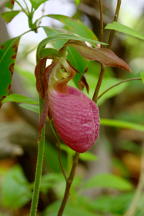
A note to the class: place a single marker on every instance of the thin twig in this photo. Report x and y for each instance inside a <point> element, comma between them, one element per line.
<point>117,84</point>
<point>139,191</point>
<point>116,15</point>
<point>68,184</point>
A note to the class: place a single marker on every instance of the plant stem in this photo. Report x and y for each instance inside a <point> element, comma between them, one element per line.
<point>101,75</point>
<point>112,32</point>
<point>101,20</point>
<point>38,173</point>
<point>98,84</point>
<point>139,191</point>
<point>68,184</point>
<point>59,151</point>
<point>117,84</point>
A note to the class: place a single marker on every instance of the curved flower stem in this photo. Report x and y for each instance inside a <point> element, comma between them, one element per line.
<point>112,32</point>
<point>38,173</point>
<point>68,184</point>
<point>117,84</point>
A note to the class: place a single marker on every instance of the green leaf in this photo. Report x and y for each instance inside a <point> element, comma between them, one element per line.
<point>70,210</point>
<point>49,53</point>
<point>92,79</point>
<point>142,76</point>
<point>20,99</point>
<point>113,92</point>
<point>8,52</point>
<point>9,15</point>
<point>121,124</point>
<point>124,29</point>
<point>87,156</point>
<point>37,3</point>
<point>30,107</point>
<point>108,181</point>
<point>15,189</point>
<point>57,44</point>
<point>66,37</point>
<point>75,26</point>
<point>108,204</point>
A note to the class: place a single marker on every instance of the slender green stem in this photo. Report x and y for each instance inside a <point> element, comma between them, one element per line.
<point>116,15</point>
<point>68,184</point>
<point>38,173</point>
<point>117,84</point>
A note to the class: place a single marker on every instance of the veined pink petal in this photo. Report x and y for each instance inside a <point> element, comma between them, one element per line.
<point>75,117</point>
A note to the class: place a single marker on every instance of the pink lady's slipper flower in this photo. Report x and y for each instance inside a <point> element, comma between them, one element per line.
<point>75,116</point>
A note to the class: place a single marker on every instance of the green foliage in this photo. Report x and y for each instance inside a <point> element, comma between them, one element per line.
<point>9,15</point>
<point>142,76</point>
<point>75,26</point>
<point>108,204</point>
<point>8,52</point>
<point>15,189</point>
<point>49,53</point>
<point>20,99</point>
<point>108,181</point>
<point>122,124</point>
<point>124,29</point>
<point>87,156</point>
<point>70,210</point>
<point>37,3</point>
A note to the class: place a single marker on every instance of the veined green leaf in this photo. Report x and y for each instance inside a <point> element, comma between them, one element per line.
<point>37,3</point>
<point>75,26</point>
<point>121,124</point>
<point>124,29</point>
<point>20,99</point>
<point>8,52</point>
<point>9,15</point>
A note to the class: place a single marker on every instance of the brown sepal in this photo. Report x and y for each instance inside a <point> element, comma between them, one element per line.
<point>103,55</point>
